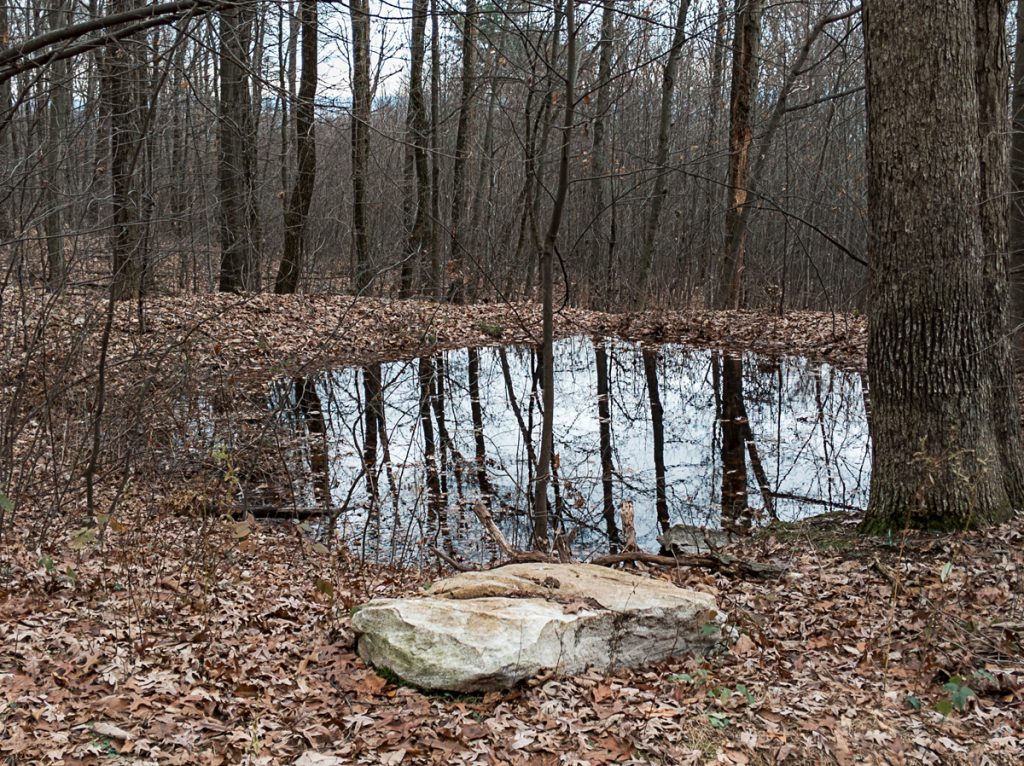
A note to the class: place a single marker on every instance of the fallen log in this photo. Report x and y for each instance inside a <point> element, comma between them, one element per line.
<point>717,562</point>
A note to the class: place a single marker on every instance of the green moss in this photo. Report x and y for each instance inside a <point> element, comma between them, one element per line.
<point>829,531</point>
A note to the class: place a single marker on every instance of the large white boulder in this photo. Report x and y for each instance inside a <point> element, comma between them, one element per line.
<point>489,630</point>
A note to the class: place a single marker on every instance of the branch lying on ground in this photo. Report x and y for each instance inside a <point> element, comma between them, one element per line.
<point>718,562</point>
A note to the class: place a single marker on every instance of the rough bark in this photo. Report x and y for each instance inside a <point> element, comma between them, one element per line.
<point>59,114</point>
<point>599,184</point>
<point>239,266</point>
<point>745,68</point>
<point>992,76</point>
<point>1016,243</point>
<point>362,101</point>
<point>936,461</point>
<point>123,61</point>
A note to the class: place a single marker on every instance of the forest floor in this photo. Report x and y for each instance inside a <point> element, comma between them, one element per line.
<point>159,637</point>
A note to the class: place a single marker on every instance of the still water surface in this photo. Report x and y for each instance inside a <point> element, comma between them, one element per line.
<point>400,451</point>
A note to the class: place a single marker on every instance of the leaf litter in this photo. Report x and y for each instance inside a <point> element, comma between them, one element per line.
<point>168,637</point>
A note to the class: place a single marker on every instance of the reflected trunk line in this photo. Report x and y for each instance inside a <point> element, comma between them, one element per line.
<point>311,411</point>
<point>558,507</point>
<point>372,408</point>
<point>525,431</point>
<point>445,439</point>
<point>476,411</point>
<point>650,357</point>
<point>735,510</point>
<point>759,473</point>
<point>435,495</point>
<point>704,418</point>
<point>825,441</point>
<point>385,453</point>
<point>604,417</point>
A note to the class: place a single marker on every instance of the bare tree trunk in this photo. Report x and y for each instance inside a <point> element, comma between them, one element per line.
<point>456,266</point>
<point>305,157</point>
<point>745,66</point>
<point>123,62</point>
<point>59,114</point>
<point>992,76</point>
<point>668,84</point>
<point>239,267</point>
<point>1016,235</point>
<point>547,254</point>
<point>937,461</point>
<point>417,174</point>
<point>435,165</point>
<point>362,99</point>
<point>599,186</point>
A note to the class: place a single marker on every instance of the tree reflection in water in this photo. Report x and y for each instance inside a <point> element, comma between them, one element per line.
<point>698,437</point>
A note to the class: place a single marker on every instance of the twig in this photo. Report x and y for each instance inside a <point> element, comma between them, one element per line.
<point>453,562</point>
<point>492,529</point>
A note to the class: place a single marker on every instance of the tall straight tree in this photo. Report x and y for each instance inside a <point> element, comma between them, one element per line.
<point>301,195</point>
<point>239,228</point>
<point>600,231</point>
<point>745,68</point>
<point>938,461</point>
<point>547,259</point>
<point>668,86</point>
<point>456,268</point>
<point>992,78</point>
<point>1016,244</point>
<point>362,101</point>
<point>417,178</point>
<point>121,90</point>
<point>59,115</point>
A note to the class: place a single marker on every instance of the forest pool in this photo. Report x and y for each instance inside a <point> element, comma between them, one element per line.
<point>401,451</point>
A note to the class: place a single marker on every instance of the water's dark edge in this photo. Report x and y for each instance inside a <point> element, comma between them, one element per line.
<point>401,450</point>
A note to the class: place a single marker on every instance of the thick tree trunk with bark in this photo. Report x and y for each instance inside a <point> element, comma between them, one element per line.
<point>362,101</point>
<point>992,76</point>
<point>240,252</point>
<point>599,185</point>
<point>937,462</point>
<point>59,115</point>
<point>123,62</point>
<point>745,68</point>
<point>1016,244</point>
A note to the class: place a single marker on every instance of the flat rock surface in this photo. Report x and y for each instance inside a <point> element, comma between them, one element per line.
<point>478,631</point>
